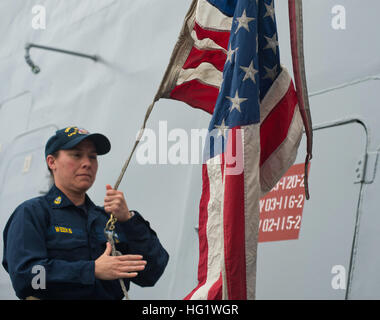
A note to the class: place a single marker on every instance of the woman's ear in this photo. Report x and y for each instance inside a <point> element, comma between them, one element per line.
<point>50,160</point>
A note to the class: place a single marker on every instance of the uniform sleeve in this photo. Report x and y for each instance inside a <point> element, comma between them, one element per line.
<point>144,241</point>
<point>26,260</point>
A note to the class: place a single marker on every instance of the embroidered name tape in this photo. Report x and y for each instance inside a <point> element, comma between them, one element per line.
<point>62,229</point>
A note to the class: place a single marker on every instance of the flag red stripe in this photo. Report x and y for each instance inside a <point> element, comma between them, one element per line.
<point>221,38</point>
<point>215,292</point>
<point>196,94</point>
<point>202,231</point>
<point>278,121</point>
<point>215,57</point>
<point>234,222</point>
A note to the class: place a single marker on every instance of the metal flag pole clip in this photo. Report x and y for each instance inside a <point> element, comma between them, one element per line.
<point>110,236</point>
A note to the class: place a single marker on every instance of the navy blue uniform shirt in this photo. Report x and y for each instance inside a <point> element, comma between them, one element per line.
<point>51,232</point>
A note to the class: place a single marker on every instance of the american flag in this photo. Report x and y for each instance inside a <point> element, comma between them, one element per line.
<point>226,62</point>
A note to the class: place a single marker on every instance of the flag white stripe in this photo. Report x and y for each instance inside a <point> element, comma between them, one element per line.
<point>251,145</point>
<point>205,72</point>
<point>206,44</point>
<point>213,229</point>
<point>209,17</point>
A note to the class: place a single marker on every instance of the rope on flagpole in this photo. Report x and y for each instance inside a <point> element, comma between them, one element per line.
<point>296,36</point>
<point>148,112</point>
<point>110,226</point>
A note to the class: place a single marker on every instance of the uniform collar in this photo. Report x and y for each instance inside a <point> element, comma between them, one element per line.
<point>57,199</point>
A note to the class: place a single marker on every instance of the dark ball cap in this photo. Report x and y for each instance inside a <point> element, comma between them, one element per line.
<point>69,137</point>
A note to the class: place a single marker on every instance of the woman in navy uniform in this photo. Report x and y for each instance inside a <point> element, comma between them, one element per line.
<point>61,234</point>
